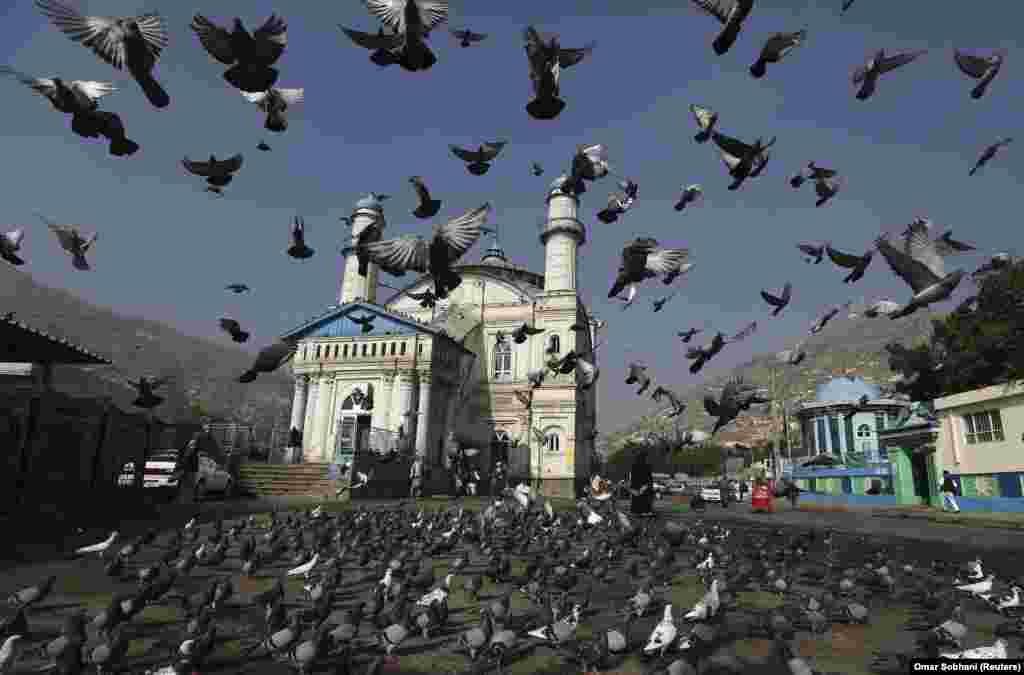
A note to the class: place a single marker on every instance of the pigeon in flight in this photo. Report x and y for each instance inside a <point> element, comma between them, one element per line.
<point>731,19</point>
<point>920,265</point>
<point>478,161</point>
<point>80,99</point>
<point>146,399</point>
<point>630,296</point>
<point>134,42</point>
<point>522,333</point>
<point>217,173</point>
<point>385,47</point>
<point>735,398</point>
<point>815,251</point>
<point>847,4</point>
<point>743,161</point>
<point>701,355</point>
<point>642,259</point>
<point>793,356</point>
<point>10,244</point>
<point>775,49</point>
<point>234,329</point>
<point>989,153</point>
<point>450,242</point>
<point>275,102</point>
<point>659,303</point>
<point>981,68</point>
<point>675,274</point>
<point>947,246</point>
<point>215,190</point>
<point>638,375</point>
<point>998,262</point>
<point>881,308</point>
<point>619,202</point>
<point>427,299</point>
<point>691,194</point>
<point>586,373</point>
<point>678,405</point>
<point>73,243</point>
<point>268,360</point>
<point>590,163</point>
<point>365,322</point>
<point>822,321</point>
<point>371,233</point>
<point>525,397</point>
<point>412,21</point>
<point>547,60</point>
<point>688,335</point>
<point>298,249</point>
<point>263,147</point>
<point>536,169</point>
<point>811,172</point>
<point>779,302</point>
<point>427,207</point>
<point>826,189</point>
<point>867,75</point>
<point>237,288</point>
<point>857,264</point>
<point>251,56</point>
<point>706,121</point>
<point>467,37</point>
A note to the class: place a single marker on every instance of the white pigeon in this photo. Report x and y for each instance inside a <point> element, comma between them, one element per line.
<point>1011,601</point>
<point>706,607</point>
<point>275,102</point>
<point>708,564</point>
<point>190,524</point>
<point>984,652</point>
<point>439,594</point>
<point>99,548</point>
<point>630,297</point>
<point>561,630</point>
<point>305,568</point>
<point>663,635</point>
<point>881,308</point>
<point>73,243</point>
<point>9,653</point>
<point>978,587</point>
<point>10,244</point>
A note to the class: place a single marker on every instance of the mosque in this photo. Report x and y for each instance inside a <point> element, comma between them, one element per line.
<point>375,373</point>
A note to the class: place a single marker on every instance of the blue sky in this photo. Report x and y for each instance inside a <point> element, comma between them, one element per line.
<point>166,248</point>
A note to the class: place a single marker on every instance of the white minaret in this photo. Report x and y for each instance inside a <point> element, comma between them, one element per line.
<point>561,236</point>
<point>368,212</point>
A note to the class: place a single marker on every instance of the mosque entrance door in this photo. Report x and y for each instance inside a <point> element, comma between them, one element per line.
<point>919,470</point>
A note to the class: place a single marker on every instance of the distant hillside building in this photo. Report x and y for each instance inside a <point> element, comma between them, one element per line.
<point>411,374</point>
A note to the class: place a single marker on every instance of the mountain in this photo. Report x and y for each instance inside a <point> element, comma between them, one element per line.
<point>202,372</point>
<point>853,347</point>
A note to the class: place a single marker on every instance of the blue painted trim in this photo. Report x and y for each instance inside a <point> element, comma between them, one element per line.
<point>853,500</point>
<point>992,504</point>
<point>883,470</point>
<point>340,311</point>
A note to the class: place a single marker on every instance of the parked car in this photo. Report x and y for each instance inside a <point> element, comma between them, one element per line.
<point>159,472</point>
<point>711,494</point>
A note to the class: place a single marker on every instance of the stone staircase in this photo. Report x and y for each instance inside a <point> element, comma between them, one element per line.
<point>296,480</point>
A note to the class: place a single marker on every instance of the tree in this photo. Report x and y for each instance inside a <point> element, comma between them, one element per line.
<point>979,344</point>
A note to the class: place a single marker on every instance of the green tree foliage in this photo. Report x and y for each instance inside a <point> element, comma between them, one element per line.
<point>700,461</point>
<point>978,345</point>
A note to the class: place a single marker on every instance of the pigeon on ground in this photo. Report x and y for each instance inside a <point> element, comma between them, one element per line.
<point>678,404</point>
<point>427,207</point>
<point>412,21</point>
<point>10,244</point>
<point>590,163</point>
<point>687,335</point>
<point>298,248</point>
<point>467,37</point>
<point>478,161</point>
<point>237,288</point>
<point>706,120</point>
<point>981,68</point>
<point>816,252</point>
<point>80,99</point>
<point>638,375</point>
<point>234,329</point>
<point>73,243</point>
<point>920,265</point>
<point>776,49</point>
<point>385,47</point>
<point>867,75</point>
<point>218,173</point>
<point>449,242</point>
<point>268,360</point>
<point>251,56</point>
<point>989,153</point>
<point>547,59</point>
<point>275,102</point>
<point>743,161</point>
<point>857,264</point>
<point>146,399</point>
<point>691,194</point>
<point>642,259</point>
<point>731,19</point>
<point>536,169</point>
<point>134,42</point>
<point>263,147</point>
<point>779,302</point>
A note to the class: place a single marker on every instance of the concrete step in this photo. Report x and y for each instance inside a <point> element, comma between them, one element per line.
<point>285,479</point>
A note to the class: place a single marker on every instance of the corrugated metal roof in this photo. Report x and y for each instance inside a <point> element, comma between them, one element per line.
<point>19,342</point>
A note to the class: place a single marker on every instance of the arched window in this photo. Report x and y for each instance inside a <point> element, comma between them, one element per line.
<point>551,442</point>
<point>392,348</point>
<point>554,344</point>
<point>344,352</point>
<point>403,349</point>
<point>864,431</point>
<point>373,349</point>
<point>335,351</point>
<point>318,351</point>
<point>502,360</point>
<point>364,349</point>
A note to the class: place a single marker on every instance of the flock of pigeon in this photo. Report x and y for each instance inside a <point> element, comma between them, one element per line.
<point>367,586</point>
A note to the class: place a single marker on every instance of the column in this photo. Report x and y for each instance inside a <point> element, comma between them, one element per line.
<point>299,402</point>
<point>323,415</point>
<point>423,419</point>
<point>382,402</point>
<point>451,416</point>
<point>309,427</point>
<point>403,393</point>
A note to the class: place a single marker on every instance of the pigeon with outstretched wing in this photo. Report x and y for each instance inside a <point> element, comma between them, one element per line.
<point>638,375</point>
<point>546,61</point>
<point>467,37</point>
<point>478,161</point>
<point>642,260</point>
<point>275,103</point>
<point>218,173</point>
<point>920,265</point>
<point>10,244</point>
<point>779,302</point>
<point>706,120</point>
<point>678,404</point>
<point>234,329</point>
<point>816,252</point>
<point>775,49</point>
<point>412,20</point>
<point>988,153</point>
<point>250,55</point>
<point>744,333</point>
<point>364,322</point>
<point>269,359</point>
<point>427,207</point>
<point>73,243</point>
<point>731,19</point>
<point>857,264</point>
<point>525,397</point>
<point>879,64</point>
<point>981,68</point>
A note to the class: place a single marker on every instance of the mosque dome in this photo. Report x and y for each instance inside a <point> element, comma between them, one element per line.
<point>846,389</point>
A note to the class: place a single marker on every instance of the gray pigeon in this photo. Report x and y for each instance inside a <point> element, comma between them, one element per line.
<point>776,49</point>
<point>706,120</point>
<point>847,4</point>
<point>743,161</point>
<point>642,260</point>
<point>385,46</point>
<point>779,302</point>
<point>867,75</point>
<point>467,37</point>
<point>920,265</point>
<point>793,356</point>
<point>134,42</point>
<point>989,153</point>
<point>478,161</point>
<point>73,243</point>
<point>298,249</point>
<point>547,59</point>
<point>268,360</point>
<point>218,173</point>
<point>731,19</point>
<point>234,329</point>
<point>638,375</point>
<point>881,308</point>
<point>10,244</point>
<point>815,251</point>
<point>981,68</point>
<point>590,163</point>
<point>826,189</point>
<point>412,20</point>
<point>275,102</point>
<point>678,404</point>
<point>811,172</point>
<point>857,264</point>
<point>691,194</point>
<point>688,335</point>
<point>822,321</point>
<point>536,169</point>
<point>427,207</point>
<point>251,56</point>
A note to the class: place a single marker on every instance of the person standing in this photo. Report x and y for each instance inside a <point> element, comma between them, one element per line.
<point>793,493</point>
<point>499,480</point>
<point>641,486</point>
<point>186,469</point>
<point>950,491</point>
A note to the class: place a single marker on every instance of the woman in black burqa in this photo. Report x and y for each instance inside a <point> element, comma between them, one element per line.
<point>641,486</point>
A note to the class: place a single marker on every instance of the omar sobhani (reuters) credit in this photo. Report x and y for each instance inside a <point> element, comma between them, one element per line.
<point>967,666</point>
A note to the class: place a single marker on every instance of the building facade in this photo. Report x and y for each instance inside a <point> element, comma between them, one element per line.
<point>836,423</point>
<point>395,373</point>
